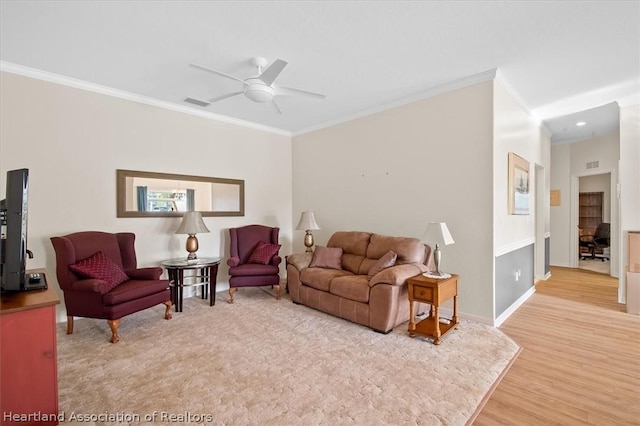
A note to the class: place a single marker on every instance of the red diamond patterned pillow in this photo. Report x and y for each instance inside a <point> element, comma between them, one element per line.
<point>100,267</point>
<point>263,253</point>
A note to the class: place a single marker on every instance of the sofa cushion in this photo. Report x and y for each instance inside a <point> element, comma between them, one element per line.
<point>352,242</point>
<point>263,253</point>
<point>409,250</point>
<point>99,266</point>
<point>352,287</point>
<point>327,257</point>
<point>319,278</point>
<point>386,261</point>
<point>354,247</point>
<point>253,269</point>
<point>134,290</point>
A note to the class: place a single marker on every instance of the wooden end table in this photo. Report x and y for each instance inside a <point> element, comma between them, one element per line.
<point>206,272</point>
<point>434,291</point>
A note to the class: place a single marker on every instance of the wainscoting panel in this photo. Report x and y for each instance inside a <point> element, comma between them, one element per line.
<point>514,276</point>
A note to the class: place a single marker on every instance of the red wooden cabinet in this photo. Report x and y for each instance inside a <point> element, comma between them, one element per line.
<point>28,358</point>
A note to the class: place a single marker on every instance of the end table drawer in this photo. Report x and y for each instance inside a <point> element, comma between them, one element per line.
<point>423,293</point>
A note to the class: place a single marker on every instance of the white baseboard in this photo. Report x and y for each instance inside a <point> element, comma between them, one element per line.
<point>511,309</point>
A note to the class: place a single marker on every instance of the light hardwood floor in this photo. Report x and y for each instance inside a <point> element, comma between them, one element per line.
<point>580,363</point>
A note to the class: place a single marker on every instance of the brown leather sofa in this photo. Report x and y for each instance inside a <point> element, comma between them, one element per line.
<point>348,291</point>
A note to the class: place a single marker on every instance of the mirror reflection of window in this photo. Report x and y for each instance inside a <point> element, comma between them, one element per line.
<point>191,200</point>
<point>141,201</point>
<point>166,200</point>
<point>148,194</point>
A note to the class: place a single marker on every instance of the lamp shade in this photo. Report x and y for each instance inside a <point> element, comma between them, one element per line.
<point>192,224</point>
<point>437,233</point>
<point>307,222</point>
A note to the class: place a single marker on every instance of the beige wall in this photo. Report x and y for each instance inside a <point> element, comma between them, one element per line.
<point>514,131</point>
<point>561,243</point>
<point>630,166</point>
<point>629,185</point>
<point>394,171</point>
<point>72,141</point>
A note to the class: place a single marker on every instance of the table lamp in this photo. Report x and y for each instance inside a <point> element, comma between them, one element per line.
<point>308,223</point>
<point>192,224</point>
<point>437,233</point>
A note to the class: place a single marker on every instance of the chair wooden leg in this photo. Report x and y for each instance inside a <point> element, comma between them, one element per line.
<point>277,289</point>
<point>113,325</point>
<point>167,313</point>
<point>69,325</point>
<point>231,291</point>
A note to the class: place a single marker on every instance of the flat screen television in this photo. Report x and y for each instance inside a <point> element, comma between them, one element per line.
<point>13,245</point>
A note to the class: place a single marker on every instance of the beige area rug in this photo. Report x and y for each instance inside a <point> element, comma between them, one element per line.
<point>269,362</point>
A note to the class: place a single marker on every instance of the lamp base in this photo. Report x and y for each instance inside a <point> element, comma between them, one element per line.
<point>308,241</point>
<point>437,256</point>
<point>192,247</point>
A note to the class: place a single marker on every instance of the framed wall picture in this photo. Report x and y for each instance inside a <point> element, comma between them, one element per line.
<point>554,197</point>
<point>518,185</point>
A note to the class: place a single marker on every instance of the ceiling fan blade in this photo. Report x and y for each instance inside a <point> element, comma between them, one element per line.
<point>289,91</point>
<point>228,95</point>
<point>198,102</point>
<point>203,68</point>
<point>275,106</point>
<point>269,75</point>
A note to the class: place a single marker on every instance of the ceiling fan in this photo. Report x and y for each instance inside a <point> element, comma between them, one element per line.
<point>259,88</point>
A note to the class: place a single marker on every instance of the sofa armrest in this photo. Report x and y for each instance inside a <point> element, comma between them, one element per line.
<point>398,275</point>
<point>300,260</point>
<point>150,273</point>
<point>276,260</point>
<point>233,261</point>
<point>90,285</point>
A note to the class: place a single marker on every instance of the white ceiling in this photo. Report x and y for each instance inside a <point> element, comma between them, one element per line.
<point>564,60</point>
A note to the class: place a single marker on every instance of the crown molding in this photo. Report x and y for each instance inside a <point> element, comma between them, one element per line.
<point>506,84</point>
<point>429,93</point>
<point>492,74</point>
<point>103,90</point>
<point>630,100</point>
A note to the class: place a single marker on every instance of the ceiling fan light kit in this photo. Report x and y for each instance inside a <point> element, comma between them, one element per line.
<point>258,91</point>
<point>258,88</point>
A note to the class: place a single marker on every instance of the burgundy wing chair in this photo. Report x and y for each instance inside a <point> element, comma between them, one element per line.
<point>135,290</point>
<point>246,268</point>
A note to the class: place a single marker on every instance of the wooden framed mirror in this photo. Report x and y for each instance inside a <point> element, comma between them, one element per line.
<point>151,194</point>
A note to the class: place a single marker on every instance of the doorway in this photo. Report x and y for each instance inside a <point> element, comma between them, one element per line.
<point>594,209</point>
